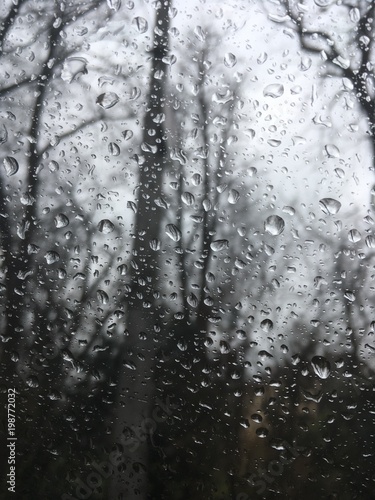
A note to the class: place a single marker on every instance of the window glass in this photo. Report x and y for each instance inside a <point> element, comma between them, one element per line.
<point>187,249</point>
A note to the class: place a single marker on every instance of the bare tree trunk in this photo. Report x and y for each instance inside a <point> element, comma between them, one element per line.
<point>136,387</point>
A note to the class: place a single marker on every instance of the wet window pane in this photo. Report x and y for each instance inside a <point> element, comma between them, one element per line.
<point>187,249</point>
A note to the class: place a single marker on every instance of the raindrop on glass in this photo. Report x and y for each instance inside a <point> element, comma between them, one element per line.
<point>321,366</point>
<point>274,90</point>
<point>10,165</point>
<point>105,226</point>
<point>274,225</point>
<point>107,100</point>
<point>329,206</point>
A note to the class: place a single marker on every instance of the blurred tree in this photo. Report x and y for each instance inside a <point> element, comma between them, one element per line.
<point>343,34</point>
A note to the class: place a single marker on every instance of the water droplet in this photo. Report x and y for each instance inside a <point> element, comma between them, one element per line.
<point>155,244</point>
<point>264,355</point>
<point>323,3</point>
<point>274,225</point>
<point>275,143</point>
<point>3,134</point>
<point>274,90</point>
<point>219,245</point>
<point>102,296</point>
<point>10,165</point>
<point>332,151</point>
<point>53,166</point>
<point>192,300</point>
<point>354,236</point>
<point>52,257</point>
<point>321,366</point>
<point>230,60</point>
<point>173,232</point>
<point>61,220</point>
<point>73,67</point>
<point>141,24</point>
<point>188,198</point>
<point>224,347</point>
<point>349,296</point>
<point>262,58</point>
<point>127,134</point>
<point>107,100</point>
<point>266,325</point>
<point>122,269</point>
<point>114,149</point>
<point>262,432</point>
<point>244,422</point>
<point>370,241</point>
<point>305,63</point>
<point>105,226</point>
<point>329,206</point>
<point>233,196</point>
<point>32,381</point>
<point>114,4</point>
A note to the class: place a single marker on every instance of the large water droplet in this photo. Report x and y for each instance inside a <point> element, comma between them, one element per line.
<point>10,165</point>
<point>52,257</point>
<point>266,325</point>
<point>107,100</point>
<point>173,232</point>
<point>354,235</point>
<point>332,151</point>
<point>233,196</point>
<point>329,206</point>
<point>102,296</point>
<point>274,225</point>
<point>188,198</point>
<point>230,60</point>
<point>106,226</point>
<point>219,245</point>
<point>61,220</point>
<point>321,366</point>
<point>141,24</point>
<point>274,90</point>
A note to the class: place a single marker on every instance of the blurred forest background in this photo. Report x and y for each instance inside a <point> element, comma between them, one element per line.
<point>187,248</point>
